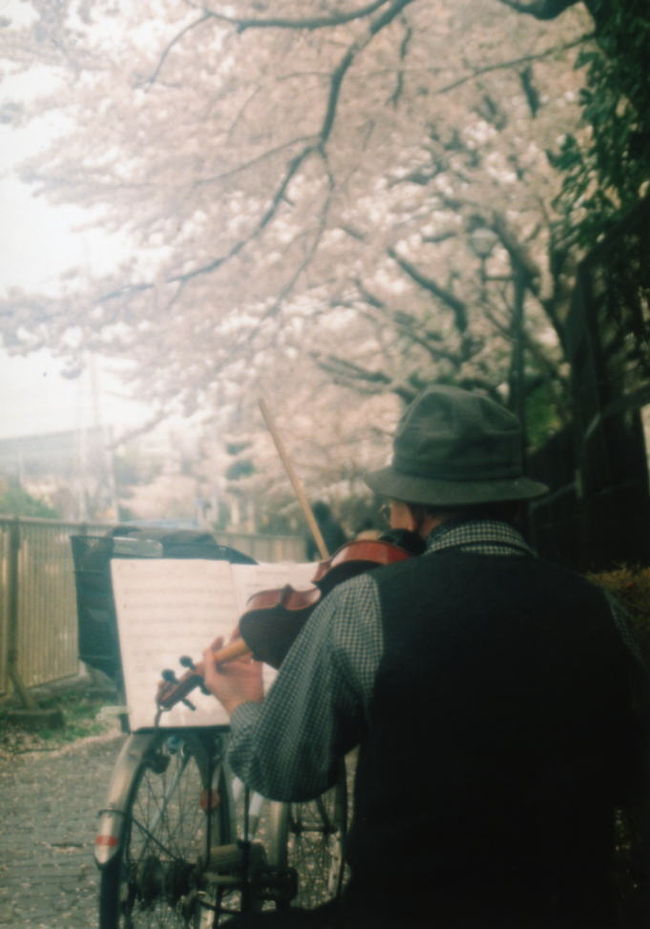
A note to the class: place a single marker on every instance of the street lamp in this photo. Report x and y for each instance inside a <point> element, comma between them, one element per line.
<point>482,241</point>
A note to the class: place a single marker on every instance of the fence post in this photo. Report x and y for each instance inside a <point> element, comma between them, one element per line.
<point>12,603</point>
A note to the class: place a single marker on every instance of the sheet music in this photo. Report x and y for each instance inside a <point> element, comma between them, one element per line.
<point>168,607</point>
<point>270,577</point>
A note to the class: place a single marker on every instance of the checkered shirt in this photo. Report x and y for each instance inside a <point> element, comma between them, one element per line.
<point>317,709</point>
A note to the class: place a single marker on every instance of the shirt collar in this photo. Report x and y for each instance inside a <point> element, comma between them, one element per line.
<point>482,536</point>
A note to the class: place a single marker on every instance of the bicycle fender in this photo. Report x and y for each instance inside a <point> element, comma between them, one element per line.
<point>112,817</point>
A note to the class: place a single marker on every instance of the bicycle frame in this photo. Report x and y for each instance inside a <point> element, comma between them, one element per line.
<point>112,818</point>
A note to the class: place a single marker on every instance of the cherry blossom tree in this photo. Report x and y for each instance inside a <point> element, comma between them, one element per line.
<point>331,206</point>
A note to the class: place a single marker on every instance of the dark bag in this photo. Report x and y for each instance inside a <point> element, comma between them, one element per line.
<point>97,624</point>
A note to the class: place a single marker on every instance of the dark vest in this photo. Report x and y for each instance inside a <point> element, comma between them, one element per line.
<point>500,737</point>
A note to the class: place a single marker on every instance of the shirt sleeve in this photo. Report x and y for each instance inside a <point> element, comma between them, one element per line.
<point>287,747</point>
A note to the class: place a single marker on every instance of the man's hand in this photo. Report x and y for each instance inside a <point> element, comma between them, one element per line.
<point>234,682</point>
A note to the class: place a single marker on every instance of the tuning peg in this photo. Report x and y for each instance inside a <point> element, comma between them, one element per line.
<point>169,676</point>
<point>186,662</point>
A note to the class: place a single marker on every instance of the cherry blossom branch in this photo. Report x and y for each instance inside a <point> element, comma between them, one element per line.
<point>252,162</point>
<point>317,146</point>
<point>309,23</point>
<point>540,9</point>
<point>177,38</point>
<point>513,62</point>
<point>458,307</point>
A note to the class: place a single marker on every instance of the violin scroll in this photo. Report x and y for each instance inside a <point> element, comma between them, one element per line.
<point>173,690</point>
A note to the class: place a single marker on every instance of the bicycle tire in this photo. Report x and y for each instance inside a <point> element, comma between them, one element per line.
<point>178,807</point>
<point>309,837</point>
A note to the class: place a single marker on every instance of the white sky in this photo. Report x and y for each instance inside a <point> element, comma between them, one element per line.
<point>35,398</point>
<point>37,243</point>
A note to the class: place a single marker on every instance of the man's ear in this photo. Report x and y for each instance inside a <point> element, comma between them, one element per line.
<point>414,517</point>
<point>424,521</point>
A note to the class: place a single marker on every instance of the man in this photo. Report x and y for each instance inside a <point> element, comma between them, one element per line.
<point>490,695</point>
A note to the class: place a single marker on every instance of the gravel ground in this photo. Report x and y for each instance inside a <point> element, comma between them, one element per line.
<point>49,800</point>
<point>48,809</point>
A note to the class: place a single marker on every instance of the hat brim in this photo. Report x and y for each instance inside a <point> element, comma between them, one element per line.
<point>399,486</point>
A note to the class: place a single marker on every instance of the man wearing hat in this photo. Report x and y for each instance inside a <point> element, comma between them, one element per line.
<point>490,695</point>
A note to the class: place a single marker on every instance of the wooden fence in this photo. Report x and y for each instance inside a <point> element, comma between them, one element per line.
<point>38,612</point>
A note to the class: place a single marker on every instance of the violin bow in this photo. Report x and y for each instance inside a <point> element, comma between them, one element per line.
<point>295,481</point>
<point>171,692</point>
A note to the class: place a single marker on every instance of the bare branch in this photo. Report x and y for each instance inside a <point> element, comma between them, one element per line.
<point>530,91</point>
<point>518,254</point>
<point>531,345</point>
<point>313,248</point>
<point>151,422</point>
<point>369,297</point>
<point>479,383</point>
<point>513,63</point>
<point>440,237</point>
<point>251,163</point>
<point>163,56</point>
<point>317,146</point>
<point>278,22</point>
<point>348,58</point>
<point>540,9</point>
<point>403,53</point>
<point>345,373</point>
<point>411,326</point>
<point>458,307</point>
<point>237,247</point>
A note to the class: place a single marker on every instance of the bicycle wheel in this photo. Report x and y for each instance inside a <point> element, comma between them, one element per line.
<point>309,837</point>
<point>178,808</point>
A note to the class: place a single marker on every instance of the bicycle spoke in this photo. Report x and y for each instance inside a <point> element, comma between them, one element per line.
<point>314,846</point>
<point>165,840</point>
<point>180,865</point>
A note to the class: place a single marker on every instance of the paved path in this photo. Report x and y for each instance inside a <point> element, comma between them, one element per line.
<point>48,809</point>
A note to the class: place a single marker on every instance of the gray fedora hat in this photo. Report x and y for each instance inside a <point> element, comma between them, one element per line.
<point>455,448</point>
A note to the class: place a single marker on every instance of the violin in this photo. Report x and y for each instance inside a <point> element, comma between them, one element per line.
<point>273,618</point>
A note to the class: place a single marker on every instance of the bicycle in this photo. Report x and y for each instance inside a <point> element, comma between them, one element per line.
<point>177,847</point>
<point>180,842</point>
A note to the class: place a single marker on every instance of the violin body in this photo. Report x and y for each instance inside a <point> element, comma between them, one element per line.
<point>354,558</point>
<point>274,618</point>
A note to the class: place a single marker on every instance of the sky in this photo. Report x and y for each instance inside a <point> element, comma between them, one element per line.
<point>35,398</point>
<point>37,243</point>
